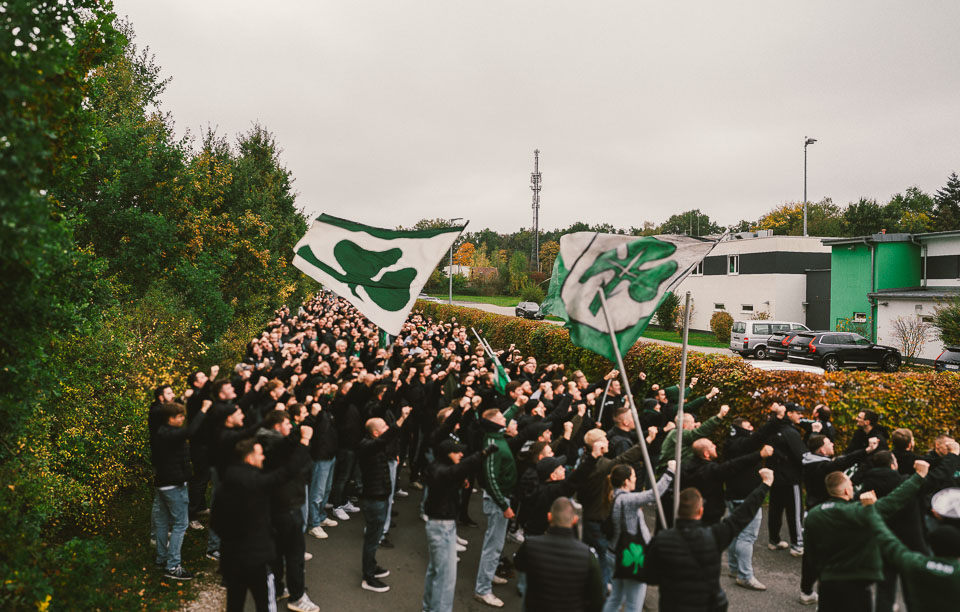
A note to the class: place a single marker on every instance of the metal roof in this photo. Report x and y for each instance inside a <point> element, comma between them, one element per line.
<point>917,293</point>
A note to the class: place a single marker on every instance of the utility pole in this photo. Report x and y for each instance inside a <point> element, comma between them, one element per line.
<point>535,179</point>
<point>806,142</point>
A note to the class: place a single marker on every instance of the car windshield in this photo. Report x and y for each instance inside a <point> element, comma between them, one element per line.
<point>950,354</point>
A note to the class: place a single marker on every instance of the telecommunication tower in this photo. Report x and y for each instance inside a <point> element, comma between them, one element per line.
<point>535,182</point>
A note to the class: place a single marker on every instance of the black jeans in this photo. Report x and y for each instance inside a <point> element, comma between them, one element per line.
<point>290,549</point>
<point>846,596</point>
<point>375,516</point>
<point>342,471</point>
<point>256,579</point>
<point>197,489</point>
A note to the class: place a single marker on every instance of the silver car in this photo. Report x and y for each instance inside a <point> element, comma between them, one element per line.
<point>750,337</point>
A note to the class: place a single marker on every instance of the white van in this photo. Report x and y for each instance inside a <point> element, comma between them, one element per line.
<point>750,337</point>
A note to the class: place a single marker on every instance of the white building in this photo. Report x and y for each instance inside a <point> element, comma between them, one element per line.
<point>751,273</point>
<point>940,280</point>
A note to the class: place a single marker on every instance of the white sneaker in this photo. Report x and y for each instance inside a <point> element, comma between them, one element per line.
<point>349,507</point>
<point>498,580</point>
<point>753,584</point>
<point>461,541</point>
<point>285,594</point>
<point>781,545</point>
<point>796,551</point>
<point>328,506</point>
<point>307,556</point>
<point>328,522</point>
<point>196,525</point>
<point>490,599</point>
<point>318,533</point>
<point>810,599</point>
<point>303,605</point>
<point>461,548</point>
<point>516,536</point>
<point>341,514</point>
<point>423,517</point>
<point>401,493</point>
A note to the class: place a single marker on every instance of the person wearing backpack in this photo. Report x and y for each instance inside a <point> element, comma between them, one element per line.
<point>627,527</point>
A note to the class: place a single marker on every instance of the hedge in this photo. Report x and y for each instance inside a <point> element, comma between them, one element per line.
<point>927,403</point>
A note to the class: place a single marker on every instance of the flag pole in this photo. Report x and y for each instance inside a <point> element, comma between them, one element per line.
<point>683,385</point>
<point>604,401</point>
<point>633,409</point>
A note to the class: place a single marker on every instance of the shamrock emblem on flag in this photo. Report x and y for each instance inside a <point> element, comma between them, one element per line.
<point>644,283</point>
<point>633,556</point>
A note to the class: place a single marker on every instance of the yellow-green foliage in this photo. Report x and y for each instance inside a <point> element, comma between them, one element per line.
<point>927,403</point>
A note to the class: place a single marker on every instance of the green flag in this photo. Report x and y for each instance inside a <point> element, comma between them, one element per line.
<point>379,271</point>
<point>634,275</point>
<point>500,382</point>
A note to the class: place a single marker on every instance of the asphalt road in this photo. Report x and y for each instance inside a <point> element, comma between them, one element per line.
<point>333,576</point>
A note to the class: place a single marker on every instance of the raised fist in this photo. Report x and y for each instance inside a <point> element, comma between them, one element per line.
<point>723,411</point>
<point>670,425</point>
<point>868,498</point>
<point>306,432</point>
<point>766,475</point>
<point>672,465</point>
<point>489,450</point>
<point>766,451</point>
<point>405,411</point>
<point>599,448</point>
<point>816,427</point>
<point>872,444</point>
<point>921,468</point>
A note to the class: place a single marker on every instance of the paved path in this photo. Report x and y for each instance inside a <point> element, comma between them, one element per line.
<point>509,311</point>
<point>333,576</point>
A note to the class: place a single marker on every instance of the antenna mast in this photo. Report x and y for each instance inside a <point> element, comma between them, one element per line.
<point>535,180</point>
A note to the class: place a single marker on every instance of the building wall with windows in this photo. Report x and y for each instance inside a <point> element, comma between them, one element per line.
<point>752,275</point>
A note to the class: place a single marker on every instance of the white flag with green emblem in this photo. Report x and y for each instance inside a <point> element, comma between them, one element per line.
<point>634,273</point>
<point>379,271</point>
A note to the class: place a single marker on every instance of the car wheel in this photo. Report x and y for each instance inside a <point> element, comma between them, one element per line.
<point>831,363</point>
<point>890,363</point>
<point>760,352</point>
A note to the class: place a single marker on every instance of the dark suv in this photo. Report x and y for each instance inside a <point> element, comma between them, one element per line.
<point>835,350</point>
<point>949,360</point>
<point>529,310</point>
<point>778,344</point>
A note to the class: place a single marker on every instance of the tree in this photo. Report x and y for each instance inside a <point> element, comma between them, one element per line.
<point>667,311</point>
<point>910,334</point>
<point>862,218</point>
<point>463,256</point>
<point>480,257</point>
<point>909,212</point>
<point>823,219</point>
<point>946,319</point>
<point>548,254</point>
<point>946,210</point>
<point>691,222</point>
<point>518,268</point>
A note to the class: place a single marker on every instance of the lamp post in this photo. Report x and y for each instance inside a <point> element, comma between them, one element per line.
<point>806,142</point>
<point>450,270</point>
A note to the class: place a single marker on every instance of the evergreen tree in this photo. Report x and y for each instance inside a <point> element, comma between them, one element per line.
<point>946,209</point>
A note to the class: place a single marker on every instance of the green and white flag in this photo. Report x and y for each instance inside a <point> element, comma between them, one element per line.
<point>634,274</point>
<point>379,271</point>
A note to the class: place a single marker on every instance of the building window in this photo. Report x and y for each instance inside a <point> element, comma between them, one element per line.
<point>697,269</point>
<point>746,307</point>
<point>733,264</point>
<point>719,307</point>
<point>859,317</point>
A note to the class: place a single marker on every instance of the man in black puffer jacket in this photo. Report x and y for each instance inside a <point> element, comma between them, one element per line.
<point>785,496</point>
<point>445,477</point>
<point>375,473</point>
<point>685,560</point>
<point>562,573</point>
<point>171,464</point>
<point>241,515</point>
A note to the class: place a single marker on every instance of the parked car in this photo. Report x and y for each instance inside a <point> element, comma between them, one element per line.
<point>529,310</point>
<point>750,337</point>
<point>428,298</point>
<point>777,344</point>
<point>835,350</point>
<point>949,360</point>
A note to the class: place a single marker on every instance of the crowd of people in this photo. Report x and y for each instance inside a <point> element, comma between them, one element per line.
<point>321,417</point>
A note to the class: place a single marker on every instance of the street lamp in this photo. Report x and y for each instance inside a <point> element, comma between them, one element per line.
<point>450,270</point>
<point>806,142</point>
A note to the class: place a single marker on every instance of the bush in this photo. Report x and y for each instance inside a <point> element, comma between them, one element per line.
<point>927,403</point>
<point>681,315</point>
<point>667,311</point>
<point>850,326</point>
<point>946,318</point>
<point>720,323</point>
<point>532,293</point>
<point>761,315</point>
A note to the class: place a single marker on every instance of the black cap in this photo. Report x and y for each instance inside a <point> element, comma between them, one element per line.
<point>547,465</point>
<point>451,446</point>
<point>792,407</point>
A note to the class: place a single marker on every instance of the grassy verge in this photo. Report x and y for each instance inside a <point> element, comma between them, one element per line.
<point>496,300</point>
<point>694,338</point>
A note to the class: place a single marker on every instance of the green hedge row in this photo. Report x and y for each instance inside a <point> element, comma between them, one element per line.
<point>927,403</point>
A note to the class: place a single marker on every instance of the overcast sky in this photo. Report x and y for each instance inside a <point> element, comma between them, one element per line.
<point>395,110</point>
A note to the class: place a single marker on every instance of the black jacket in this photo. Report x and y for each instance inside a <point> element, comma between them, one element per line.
<point>324,443</point>
<point>241,512</point>
<point>171,455</point>
<point>562,573</point>
<point>787,458</point>
<point>742,442</point>
<point>906,523</point>
<point>277,451</point>
<point>445,481</point>
<point>815,470</point>
<point>708,478</point>
<point>374,469</point>
<point>685,560</point>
